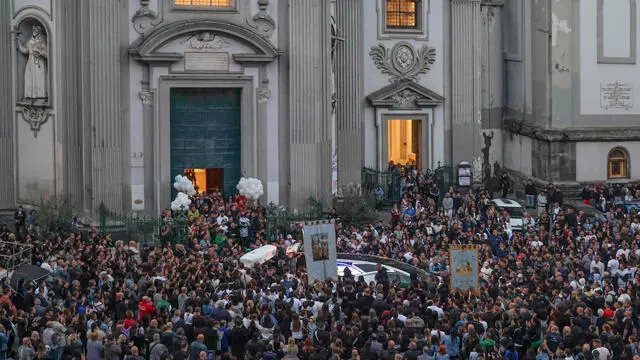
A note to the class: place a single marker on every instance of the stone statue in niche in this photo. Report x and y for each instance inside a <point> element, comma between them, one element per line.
<point>35,72</point>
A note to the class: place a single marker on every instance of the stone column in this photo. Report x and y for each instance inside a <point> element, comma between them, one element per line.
<point>310,101</point>
<point>349,84</point>
<point>466,79</point>
<point>7,191</point>
<point>105,127</point>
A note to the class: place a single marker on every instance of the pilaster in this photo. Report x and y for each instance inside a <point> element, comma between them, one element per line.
<point>148,99</point>
<point>69,131</point>
<point>7,175</point>
<point>104,124</point>
<point>492,68</point>
<point>349,85</point>
<point>310,101</point>
<point>466,79</point>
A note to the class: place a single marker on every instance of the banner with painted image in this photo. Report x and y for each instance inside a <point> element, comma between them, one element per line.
<point>464,269</point>
<point>320,250</point>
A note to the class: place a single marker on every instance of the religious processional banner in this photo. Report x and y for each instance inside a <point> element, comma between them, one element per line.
<point>320,250</point>
<point>464,269</point>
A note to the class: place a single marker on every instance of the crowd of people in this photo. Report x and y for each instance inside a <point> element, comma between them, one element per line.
<point>565,287</point>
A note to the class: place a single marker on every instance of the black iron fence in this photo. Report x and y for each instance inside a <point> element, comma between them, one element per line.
<point>387,185</point>
<point>155,231</point>
<point>280,221</point>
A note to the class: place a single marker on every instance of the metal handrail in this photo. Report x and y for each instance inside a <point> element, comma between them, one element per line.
<point>20,254</point>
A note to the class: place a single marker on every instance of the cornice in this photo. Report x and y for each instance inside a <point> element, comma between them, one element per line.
<point>571,134</point>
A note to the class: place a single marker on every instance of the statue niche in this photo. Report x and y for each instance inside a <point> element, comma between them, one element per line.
<point>33,60</point>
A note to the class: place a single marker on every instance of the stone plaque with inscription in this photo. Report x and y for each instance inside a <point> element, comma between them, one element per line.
<point>206,61</point>
<point>616,95</point>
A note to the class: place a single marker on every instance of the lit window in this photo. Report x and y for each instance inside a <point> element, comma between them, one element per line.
<point>618,161</point>
<point>205,3</point>
<point>402,14</point>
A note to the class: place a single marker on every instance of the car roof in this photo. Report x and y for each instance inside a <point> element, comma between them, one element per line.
<point>506,203</point>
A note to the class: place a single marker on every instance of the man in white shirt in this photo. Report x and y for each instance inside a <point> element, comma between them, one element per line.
<point>624,250</point>
<point>222,217</point>
<point>536,243</point>
<point>635,226</point>
<point>613,266</point>
<point>528,221</point>
<point>600,352</point>
<point>434,307</point>
<point>596,263</point>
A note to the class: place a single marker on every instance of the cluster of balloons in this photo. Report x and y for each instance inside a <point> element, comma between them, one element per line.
<point>251,188</point>
<point>181,203</point>
<point>183,184</point>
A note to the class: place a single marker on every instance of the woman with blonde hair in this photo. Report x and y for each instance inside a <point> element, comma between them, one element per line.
<point>291,349</point>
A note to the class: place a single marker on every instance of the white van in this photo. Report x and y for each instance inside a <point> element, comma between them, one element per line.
<point>515,210</point>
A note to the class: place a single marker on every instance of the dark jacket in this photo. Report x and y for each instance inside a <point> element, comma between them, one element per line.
<point>238,340</point>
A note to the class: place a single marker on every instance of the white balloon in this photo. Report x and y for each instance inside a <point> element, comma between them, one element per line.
<point>250,188</point>
<point>183,184</point>
<point>181,202</point>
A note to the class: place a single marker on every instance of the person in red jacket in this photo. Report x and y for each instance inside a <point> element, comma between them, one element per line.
<point>146,309</point>
<point>129,321</point>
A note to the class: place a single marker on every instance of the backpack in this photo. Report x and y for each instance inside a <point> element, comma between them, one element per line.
<point>55,338</point>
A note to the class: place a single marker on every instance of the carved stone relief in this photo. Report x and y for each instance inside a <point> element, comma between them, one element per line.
<point>403,61</point>
<point>145,18</point>
<point>405,98</point>
<point>146,97</point>
<point>205,40</point>
<point>263,93</point>
<point>35,116</point>
<point>262,23</point>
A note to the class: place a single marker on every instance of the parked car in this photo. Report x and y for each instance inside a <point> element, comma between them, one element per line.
<point>368,271</point>
<point>513,208</point>
<point>627,206</point>
<point>589,211</point>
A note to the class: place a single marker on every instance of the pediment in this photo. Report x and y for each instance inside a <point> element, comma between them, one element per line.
<point>202,34</point>
<point>405,94</point>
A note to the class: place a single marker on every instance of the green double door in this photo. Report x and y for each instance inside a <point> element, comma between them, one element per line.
<point>205,134</point>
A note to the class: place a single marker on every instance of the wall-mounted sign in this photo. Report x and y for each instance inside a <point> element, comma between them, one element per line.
<point>464,174</point>
<point>616,95</point>
<point>206,61</point>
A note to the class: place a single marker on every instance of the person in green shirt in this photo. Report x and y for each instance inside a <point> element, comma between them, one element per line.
<point>193,213</point>
<point>163,305</point>
<point>222,242</point>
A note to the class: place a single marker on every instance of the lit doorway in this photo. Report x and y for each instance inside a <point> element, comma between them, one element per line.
<point>405,142</point>
<point>209,180</point>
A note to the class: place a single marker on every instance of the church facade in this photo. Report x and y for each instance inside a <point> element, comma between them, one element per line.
<point>109,100</point>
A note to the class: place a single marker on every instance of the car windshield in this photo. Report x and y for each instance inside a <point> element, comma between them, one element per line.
<point>514,212</point>
<point>367,267</point>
